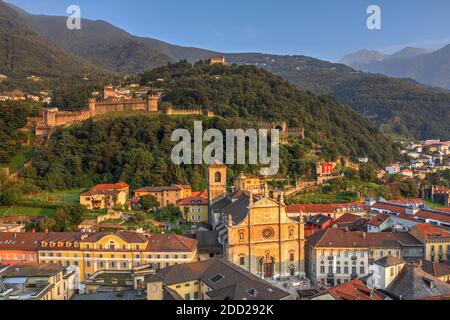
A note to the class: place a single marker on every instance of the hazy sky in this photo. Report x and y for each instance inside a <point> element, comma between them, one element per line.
<point>326,29</point>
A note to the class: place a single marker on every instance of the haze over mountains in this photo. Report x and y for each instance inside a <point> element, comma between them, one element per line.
<point>423,65</point>
<point>400,106</point>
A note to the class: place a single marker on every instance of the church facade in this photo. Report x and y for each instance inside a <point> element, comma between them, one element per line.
<point>257,234</point>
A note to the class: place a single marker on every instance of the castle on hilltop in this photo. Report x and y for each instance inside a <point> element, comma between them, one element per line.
<point>52,118</point>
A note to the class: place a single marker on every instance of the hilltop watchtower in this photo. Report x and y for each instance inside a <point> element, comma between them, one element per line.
<point>152,102</point>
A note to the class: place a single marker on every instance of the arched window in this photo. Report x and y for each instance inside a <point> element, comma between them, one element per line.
<point>112,245</point>
<point>218,177</point>
<point>241,235</point>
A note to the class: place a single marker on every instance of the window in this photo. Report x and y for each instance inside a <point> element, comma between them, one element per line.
<point>330,270</point>
<point>362,270</point>
<point>242,260</point>
<point>187,296</point>
<point>88,264</point>
<point>338,270</point>
<point>292,256</point>
<point>196,296</point>
<point>322,269</point>
<point>392,271</point>
<point>216,278</point>
<point>345,270</point>
<point>218,177</point>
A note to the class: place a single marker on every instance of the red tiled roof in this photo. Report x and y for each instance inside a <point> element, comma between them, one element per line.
<point>378,220</point>
<point>353,290</point>
<point>348,218</point>
<point>426,214</point>
<point>428,230</point>
<point>119,185</point>
<point>20,241</point>
<point>320,208</point>
<point>170,243</point>
<point>193,201</point>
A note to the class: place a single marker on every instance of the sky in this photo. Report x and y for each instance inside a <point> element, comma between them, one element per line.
<point>325,29</point>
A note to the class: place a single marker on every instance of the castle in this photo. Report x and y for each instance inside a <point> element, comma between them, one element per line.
<point>52,118</point>
<point>285,131</point>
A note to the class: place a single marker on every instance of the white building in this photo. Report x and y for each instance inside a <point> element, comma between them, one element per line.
<point>384,271</point>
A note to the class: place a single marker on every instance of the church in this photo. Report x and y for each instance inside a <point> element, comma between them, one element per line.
<point>255,231</point>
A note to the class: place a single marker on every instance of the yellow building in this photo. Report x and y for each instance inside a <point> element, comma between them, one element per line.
<point>436,241</point>
<point>195,207</point>
<point>215,279</point>
<point>122,251</point>
<point>440,271</point>
<point>258,235</point>
<point>250,183</point>
<point>37,282</point>
<point>106,196</point>
<point>165,194</point>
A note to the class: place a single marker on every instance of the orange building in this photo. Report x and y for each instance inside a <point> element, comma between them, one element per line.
<point>19,248</point>
<point>166,194</point>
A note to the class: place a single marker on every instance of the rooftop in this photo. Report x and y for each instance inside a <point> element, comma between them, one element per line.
<point>226,280</point>
<point>353,290</point>
<point>389,261</point>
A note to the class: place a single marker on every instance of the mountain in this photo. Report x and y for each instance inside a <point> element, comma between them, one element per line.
<point>24,53</point>
<point>362,57</point>
<point>111,47</point>
<point>425,66</point>
<point>251,93</point>
<point>400,106</point>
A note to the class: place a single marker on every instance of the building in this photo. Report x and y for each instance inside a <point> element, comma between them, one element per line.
<point>334,211</point>
<point>37,282</point>
<point>437,194</point>
<point>436,241</point>
<point>325,169</point>
<point>12,227</point>
<point>393,169</point>
<point>258,235</point>
<point>208,245</point>
<point>250,183</point>
<point>379,223</point>
<point>439,270</point>
<point>19,248</point>
<point>335,256</point>
<point>121,251</point>
<point>166,194</point>
<point>195,207</point>
<point>217,60</point>
<point>215,279</point>
<point>404,215</point>
<point>106,196</point>
<point>384,271</point>
<point>412,283</point>
<point>351,222</point>
<point>317,223</point>
<point>353,290</point>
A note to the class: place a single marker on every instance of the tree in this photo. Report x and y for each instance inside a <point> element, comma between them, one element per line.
<point>149,203</point>
<point>171,213</point>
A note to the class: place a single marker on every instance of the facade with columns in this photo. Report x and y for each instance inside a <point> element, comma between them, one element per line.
<point>255,230</point>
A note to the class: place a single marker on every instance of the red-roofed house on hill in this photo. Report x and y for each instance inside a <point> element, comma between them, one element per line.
<point>106,196</point>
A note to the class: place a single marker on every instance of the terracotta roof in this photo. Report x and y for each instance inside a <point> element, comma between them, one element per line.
<point>321,208</point>
<point>99,193</point>
<point>132,237</point>
<point>170,243</point>
<point>412,283</point>
<point>389,261</point>
<point>427,231</point>
<point>119,185</point>
<point>193,201</point>
<point>378,220</point>
<point>353,290</point>
<point>433,215</point>
<point>32,270</point>
<point>340,238</point>
<point>347,219</point>
<point>436,269</point>
<point>20,241</point>
<point>227,281</point>
<point>159,189</point>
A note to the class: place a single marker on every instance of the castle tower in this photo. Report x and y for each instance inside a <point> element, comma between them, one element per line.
<point>217,181</point>
<point>91,103</point>
<point>152,102</point>
<point>50,117</point>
